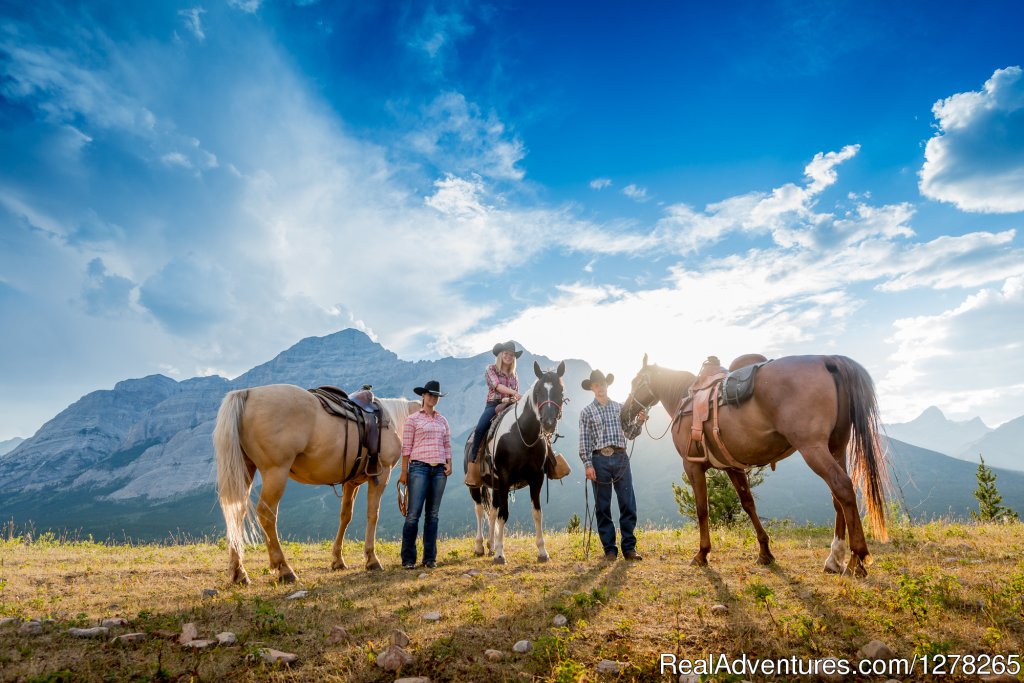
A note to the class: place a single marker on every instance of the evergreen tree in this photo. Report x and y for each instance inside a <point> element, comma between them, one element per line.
<point>724,507</point>
<point>990,507</point>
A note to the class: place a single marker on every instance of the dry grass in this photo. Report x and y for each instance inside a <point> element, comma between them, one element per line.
<point>942,587</point>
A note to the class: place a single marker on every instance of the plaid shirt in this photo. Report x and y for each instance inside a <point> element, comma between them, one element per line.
<point>427,439</point>
<point>600,426</point>
<point>495,378</point>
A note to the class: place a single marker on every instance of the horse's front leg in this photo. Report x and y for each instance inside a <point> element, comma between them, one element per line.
<point>376,488</point>
<point>266,510</point>
<point>538,519</point>
<point>742,485</point>
<point>492,519</point>
<point>499,498</point>
<point>696,474</point>
<point>348,501</point>
<point>478,549</point>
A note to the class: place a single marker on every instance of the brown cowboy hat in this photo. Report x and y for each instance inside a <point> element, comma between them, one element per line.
<point>597,376</point>
<point>433,387</point>
<point>507,346</point>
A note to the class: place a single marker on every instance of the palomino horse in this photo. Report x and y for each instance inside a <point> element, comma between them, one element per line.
<point>282,431</point>
<point>520,450</point>
<point>810,404</point>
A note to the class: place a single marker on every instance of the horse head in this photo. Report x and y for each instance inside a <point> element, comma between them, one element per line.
<point>548,396</point>
<point>641,392</point>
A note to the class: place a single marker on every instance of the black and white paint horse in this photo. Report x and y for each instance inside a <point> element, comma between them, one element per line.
<point>518,451</point>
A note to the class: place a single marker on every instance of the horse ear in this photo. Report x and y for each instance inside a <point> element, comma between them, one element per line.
<point>536,369</point>
<point>645,360</point>
<point>561,368</point>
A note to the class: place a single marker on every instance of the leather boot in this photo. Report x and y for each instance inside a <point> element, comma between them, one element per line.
<point>473,474</point>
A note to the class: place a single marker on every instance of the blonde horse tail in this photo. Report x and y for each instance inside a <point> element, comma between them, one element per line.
<point>868,466</point>
<point>233,481</point>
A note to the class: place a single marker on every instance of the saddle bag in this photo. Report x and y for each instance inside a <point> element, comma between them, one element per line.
<point>556,467</point>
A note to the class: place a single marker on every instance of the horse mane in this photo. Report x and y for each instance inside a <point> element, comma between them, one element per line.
<point>397,411</point>
<point>672,385</point>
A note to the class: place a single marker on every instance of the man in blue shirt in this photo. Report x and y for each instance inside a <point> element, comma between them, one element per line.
<point>603,452</point>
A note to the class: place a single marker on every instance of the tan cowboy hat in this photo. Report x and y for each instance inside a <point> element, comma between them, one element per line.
<point>597,376</point>
<point>433,387</point>
<point>507,346</point>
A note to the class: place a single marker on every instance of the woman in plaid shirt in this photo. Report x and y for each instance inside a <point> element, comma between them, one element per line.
<point>502,385</point>
<point>426,464</point>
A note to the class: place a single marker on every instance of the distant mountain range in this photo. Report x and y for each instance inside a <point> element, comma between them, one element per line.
<point>137,461</point>
<point>9,445</point>
<point>966,440</point>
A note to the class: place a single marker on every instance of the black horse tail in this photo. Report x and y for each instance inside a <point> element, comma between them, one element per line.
<point>867,462</point>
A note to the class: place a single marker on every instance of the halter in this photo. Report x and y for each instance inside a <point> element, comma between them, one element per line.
<point>542,433</point>
<point>645,383</point>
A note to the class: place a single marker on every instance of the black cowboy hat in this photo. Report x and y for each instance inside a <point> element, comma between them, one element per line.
<point>507,346</point>
<point>597,376</point>
<point>433,387</point>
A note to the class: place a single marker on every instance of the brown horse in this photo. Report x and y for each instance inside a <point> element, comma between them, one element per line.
<point>282,431</point>
<point>811,404</point>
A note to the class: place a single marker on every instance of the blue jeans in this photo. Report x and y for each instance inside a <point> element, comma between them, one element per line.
<point>481,427</point>
<point>426,486</point>
<point>613,473</point>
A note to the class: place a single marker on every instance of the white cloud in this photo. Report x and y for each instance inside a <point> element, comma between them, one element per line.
<point>600,183</point>
<point>249,6</point>
<point>976,160</point>
<point>970,358</point>
<point>194,21</point>
<point>635,192</point>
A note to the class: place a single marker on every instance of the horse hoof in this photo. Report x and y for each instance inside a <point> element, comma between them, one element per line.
<point>765,560</point>
<point>499,559</point>
<point>287,578</point>
<point>241,579</point>
<point>543,558</point>
<point>831,570</point>
<point>374,566</point>
<point>339,564</point>
<point>479,552</point>
<point>699,561</point>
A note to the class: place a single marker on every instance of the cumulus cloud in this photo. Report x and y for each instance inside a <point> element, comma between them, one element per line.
<point>600,183</point>
<point>976,159</point>
<point>968,357</point>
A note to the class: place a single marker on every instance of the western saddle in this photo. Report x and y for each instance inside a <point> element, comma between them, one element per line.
<point>362,408</point>
<point>713,387</point>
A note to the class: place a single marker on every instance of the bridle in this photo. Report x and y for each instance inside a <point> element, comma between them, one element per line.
<point>549,436</point>
<point>645,383</point>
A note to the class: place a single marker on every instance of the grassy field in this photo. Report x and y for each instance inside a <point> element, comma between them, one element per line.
<point>941,588</point>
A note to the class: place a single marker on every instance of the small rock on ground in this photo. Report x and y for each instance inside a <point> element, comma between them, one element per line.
<point>94,632</point>
<point>9,621</point>
<point>189,632</point>
<point>559,620</point>
<point>129,638</point>
<point>227,638</point>
<point>114,621</point>
<point>876,649</point>
<point>394,658</point>
<point>272,656</point>
<point>719,609</point>
<point>494,655</point>
<point>210,592</point>
<point>31,628</point>
<point>339,634</point>
<point>432,616</point>
<point>607,666</point>
<point>199,644</point>
<point>413,679</point>
<point>522,646</point>
<point>400,638</point>
<point>297,595</point>
<point>423,575</point>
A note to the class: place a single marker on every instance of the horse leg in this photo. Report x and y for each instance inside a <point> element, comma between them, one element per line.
<point>235,566</point>
<point>824,465</point>
<point>492,520</point>
<point>698,482</point>
<point>348,502</point>
<point>742,486</point>
<point>837,551</point>
<point>266,509</point>
<point>538,519</point>
<point>373,495</point>
<point>478,550</point>
<point>501,498</point>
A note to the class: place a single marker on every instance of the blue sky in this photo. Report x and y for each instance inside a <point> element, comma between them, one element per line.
<point>191,187</point>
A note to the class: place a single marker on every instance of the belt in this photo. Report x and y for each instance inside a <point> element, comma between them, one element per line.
<point>609,450</point>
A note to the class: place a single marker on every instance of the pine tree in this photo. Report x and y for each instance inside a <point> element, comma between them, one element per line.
<point>724,507</point>
<point>990,505</point>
